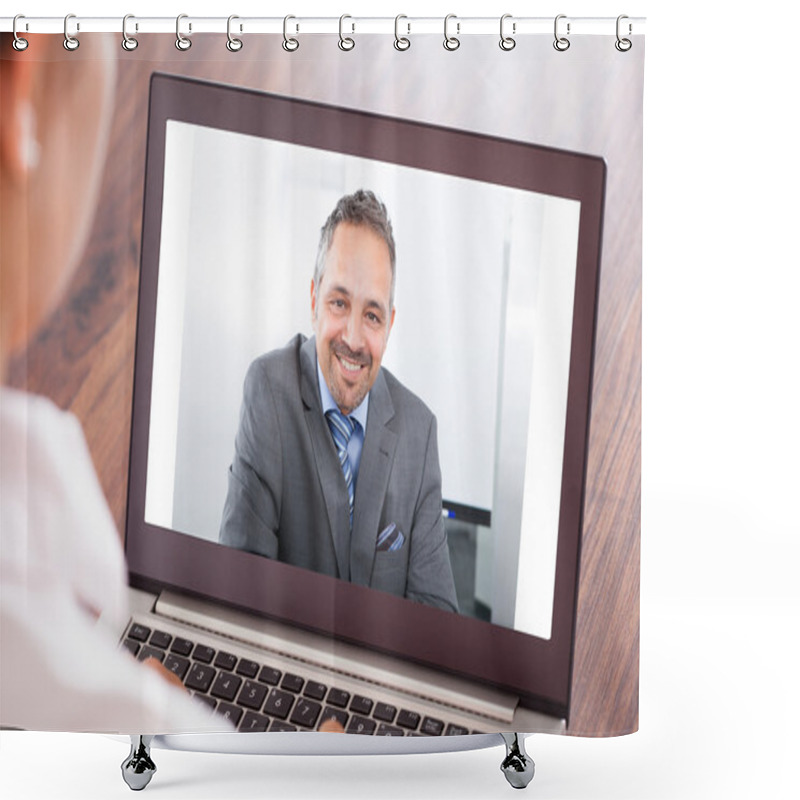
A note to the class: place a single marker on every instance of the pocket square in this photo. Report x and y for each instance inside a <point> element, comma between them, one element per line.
<point>390,539</point>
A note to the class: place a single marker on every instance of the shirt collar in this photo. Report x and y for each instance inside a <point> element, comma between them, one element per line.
<point>359,414</point>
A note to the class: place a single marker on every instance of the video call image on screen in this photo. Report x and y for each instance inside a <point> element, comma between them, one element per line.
<point>485,283</point>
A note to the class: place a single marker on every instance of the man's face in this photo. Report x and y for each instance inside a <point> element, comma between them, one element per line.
<point>351,313</point>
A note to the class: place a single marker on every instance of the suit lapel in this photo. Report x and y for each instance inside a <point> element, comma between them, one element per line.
<point>377,456</point>
<point>330,474</point>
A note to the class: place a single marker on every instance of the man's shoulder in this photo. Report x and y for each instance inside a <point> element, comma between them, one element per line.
<point>280,369</point>
<point>279,362</point>
<point>405,402</point>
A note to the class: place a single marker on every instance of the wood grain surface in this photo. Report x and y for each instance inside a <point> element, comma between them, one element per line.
<point>83,357</point>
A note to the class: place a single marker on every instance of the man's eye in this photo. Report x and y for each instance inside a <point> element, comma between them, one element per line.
<point>374,318</point>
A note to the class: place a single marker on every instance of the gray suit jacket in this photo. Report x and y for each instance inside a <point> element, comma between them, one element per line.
<point>287,497</point>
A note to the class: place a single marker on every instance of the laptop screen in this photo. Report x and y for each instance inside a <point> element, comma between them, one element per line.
<point>465,490</point>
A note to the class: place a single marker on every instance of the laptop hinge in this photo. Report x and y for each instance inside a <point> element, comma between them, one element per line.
<point>339,657</point>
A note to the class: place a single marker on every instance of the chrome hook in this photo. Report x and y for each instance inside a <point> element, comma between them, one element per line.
<point>181,42</point>
<point>70,42</point>
<point>129,43</point>
<point>507,42</point>
<point>19,43</point>
<point>401,42</point>
<point>290,44</point>
<point>451,42</point>
<point>561,43</point>
<point>623,44</point>
<point>233,44</point>
<point>345,42</point>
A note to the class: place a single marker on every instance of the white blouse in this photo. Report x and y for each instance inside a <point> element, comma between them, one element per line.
<point>61,565</point>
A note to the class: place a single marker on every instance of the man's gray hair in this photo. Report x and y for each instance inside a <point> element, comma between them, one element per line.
<point>360,208</point>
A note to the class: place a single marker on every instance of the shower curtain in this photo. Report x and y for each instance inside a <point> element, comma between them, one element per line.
<point>579,95</point>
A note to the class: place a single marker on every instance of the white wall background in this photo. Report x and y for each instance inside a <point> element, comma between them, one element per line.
<point>720,701</point>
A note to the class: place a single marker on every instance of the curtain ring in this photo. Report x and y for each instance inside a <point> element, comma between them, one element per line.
<point>623,44</point>
<point>507,42</point>
<point>451,42</point>
<point>181,42</point>
<point>561,43</point>
<point>19,43</point>
<point>345,42</point>
<point>70,42</point>
<point>128,42</point>
<point>233,44</point>
<point>290,44</point>
<point>401,42</point>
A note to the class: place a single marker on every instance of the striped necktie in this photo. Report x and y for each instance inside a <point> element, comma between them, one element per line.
<point>342,428</point>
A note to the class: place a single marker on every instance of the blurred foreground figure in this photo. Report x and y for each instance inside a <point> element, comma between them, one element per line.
<point>61,560</point>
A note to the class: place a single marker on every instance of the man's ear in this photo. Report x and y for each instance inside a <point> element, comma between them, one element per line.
<point>19,144</point>
<point>391,322</point>
<point>313,301</point>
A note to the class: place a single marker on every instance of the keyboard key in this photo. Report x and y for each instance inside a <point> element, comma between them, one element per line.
<point>361,725</point>
<point>254,723</point>
<point>206,700</point>
<point>160,639</point>
<point>432,727</point>
<point>226,686</point>
<point>456,730</point>
<point>278,725</point>
<point>203,653</point>
<point>252,695</point>
<point>200,677</point>
<point>361,704</point>
<point>225,661</point>
<point>408,719</point>
<point>177,665</point>
<point>181,646</point>
<point>247,668</point>
<point>385,712</point>
<point>314,690</point>
<point>139,632</point>
<point>338,697</point>
<point>292,683</point>
<point>131,646</point>
<point>150,652</point>
<point>334,713</point>
<point>232,713</point>
<point>279,704</point>
<point>389,730</point>
<point>269,675</point>
<point>305,713</point>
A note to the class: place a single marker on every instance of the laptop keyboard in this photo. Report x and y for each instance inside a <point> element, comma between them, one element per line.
<point>257,697</point>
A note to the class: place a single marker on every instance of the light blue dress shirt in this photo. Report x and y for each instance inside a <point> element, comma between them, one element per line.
<point>356,442</point>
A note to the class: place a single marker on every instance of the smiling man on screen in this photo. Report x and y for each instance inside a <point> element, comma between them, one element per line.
<point>336,465</point>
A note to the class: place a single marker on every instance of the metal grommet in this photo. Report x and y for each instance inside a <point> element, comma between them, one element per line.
<point>290,44</point>
<point>128,42</point>
<point>623,44</point>
<point>451,42</point>
<point>401,42</point>
<point>70,42</point>
<point>561,43</point>
<point>19,43</point>
<point>181,42</point>
<point>233,44</point>
<point>345,42</point>
<point>507,42</point>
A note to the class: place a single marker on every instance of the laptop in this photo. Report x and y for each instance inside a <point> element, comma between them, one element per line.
<point>498,252</point>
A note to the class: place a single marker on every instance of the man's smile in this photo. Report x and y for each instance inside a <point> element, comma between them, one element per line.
<point>350,366</point>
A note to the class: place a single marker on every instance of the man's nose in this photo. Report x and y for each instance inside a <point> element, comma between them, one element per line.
<point>354,332</point>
